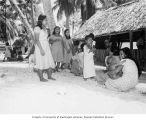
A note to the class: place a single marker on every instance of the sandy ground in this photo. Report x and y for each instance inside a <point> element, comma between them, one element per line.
<point>21,92</point>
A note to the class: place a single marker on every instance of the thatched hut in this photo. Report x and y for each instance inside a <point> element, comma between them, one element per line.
<point>122,24</point>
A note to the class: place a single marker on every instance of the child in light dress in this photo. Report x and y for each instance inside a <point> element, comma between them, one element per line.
<point>89,68</point>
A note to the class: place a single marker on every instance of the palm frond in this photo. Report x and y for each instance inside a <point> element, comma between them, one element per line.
<point>55,6</point>
<point>66,7</point>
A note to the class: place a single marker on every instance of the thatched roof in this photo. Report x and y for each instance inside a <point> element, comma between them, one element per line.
<point>119,19</point>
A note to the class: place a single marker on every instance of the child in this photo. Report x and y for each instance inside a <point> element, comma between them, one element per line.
<point>19,57</point>
<point>114,67</point>
<point>77,62</point>
<point>7,52</point>
<point>89,68</point>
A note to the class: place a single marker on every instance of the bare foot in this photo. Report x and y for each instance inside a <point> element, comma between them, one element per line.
<point>44,80</point>
<point>57,70</point>
<point>51,78</point>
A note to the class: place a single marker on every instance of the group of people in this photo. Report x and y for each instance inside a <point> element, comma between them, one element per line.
<point>121,72</point>
<point>54,52</point>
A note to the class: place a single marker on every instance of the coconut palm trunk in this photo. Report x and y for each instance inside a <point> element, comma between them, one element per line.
<point>24,19</point>
<point>32,13</point>
<point>49,14</point>
<point>67,21</point>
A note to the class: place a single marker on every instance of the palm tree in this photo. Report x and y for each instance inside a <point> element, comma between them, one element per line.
<point>88,7</point>
<point>49,13</point>
<point>65,7</point>
<point>8,28</point>
<point>23,17</point>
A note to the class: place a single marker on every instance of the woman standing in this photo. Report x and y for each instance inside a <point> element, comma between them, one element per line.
<point>129,78</point>
<point>56,42</point>
<point>68,47</point>
<point>43,56</point>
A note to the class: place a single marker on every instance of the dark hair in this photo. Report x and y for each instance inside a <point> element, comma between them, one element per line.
<point>127,53</point>
<point>7,44</point>
<point>76,43</point>
<point>115,50</point>
<point>67,37</point>
<point>55,29</point>
<point>82,46</point>
<point>91,35</point>
<point>114,44</point>
<point>40,20</point>
<point>49,33</point>
<point>86,37</point>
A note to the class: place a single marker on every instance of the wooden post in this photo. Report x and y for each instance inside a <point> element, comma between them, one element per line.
<point>131,40</point>
<point>32,13</point>
<point>145,38</point>
<point>145,51</point>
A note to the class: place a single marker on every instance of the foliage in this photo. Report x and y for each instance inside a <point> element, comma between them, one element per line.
<point>8,28</point>
<point>66,7</point>
<point>8,15</point>
<point>19,43</point>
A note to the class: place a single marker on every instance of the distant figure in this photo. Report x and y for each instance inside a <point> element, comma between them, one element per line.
<point>7,52</point>
<point>141,50</point>
<point>19,56</point>
<point>56,42</point>
<point>89,68</point>
<point>107,44</point>
<point>43,57</point>
<point>68,48</point>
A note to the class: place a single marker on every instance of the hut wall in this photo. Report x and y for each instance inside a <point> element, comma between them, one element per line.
<point>99,57</point>
<point>145,52</point>
<point>100,53</point>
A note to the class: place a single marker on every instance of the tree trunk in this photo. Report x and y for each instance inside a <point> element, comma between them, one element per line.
<point>32,14</point>
<point>67,22</point>
<point>24,20</point>
<point>73,27</point>
<point>49,14</point>
<point>83,11</point>
<point>90,9</point>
